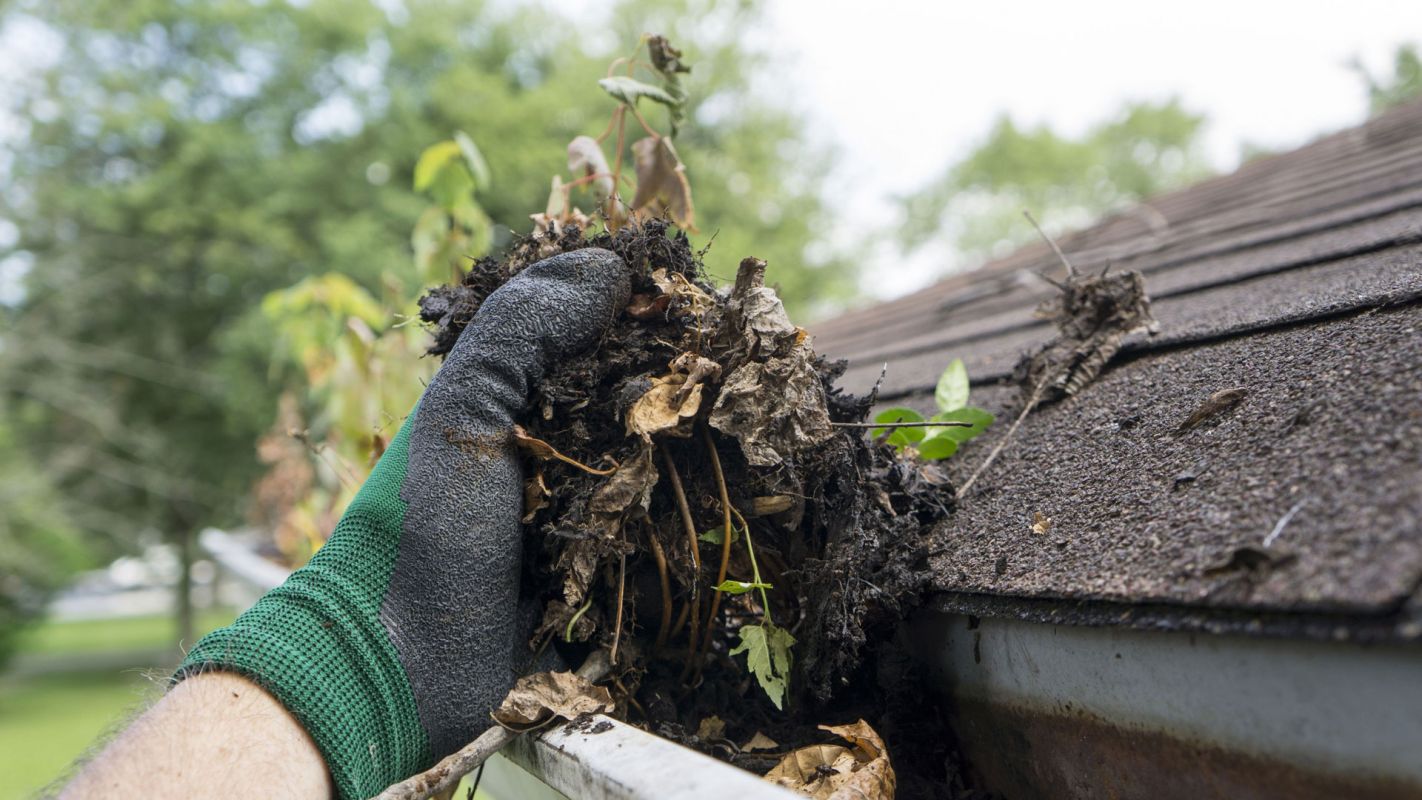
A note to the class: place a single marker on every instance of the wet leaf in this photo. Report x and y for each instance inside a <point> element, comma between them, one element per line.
<point>951,393</point>
<point>536,699</point>
<point>630,90</point>
<point>767,649</point>
<point>834,772</point>
<point>630,486</point>
<point>740,587</point>
<point>661,180</point>
<point>661,408</point>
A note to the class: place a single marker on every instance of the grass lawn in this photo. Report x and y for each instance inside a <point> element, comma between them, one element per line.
<point>48,717</point>
<point>47,721</point>
<point>133,633</point>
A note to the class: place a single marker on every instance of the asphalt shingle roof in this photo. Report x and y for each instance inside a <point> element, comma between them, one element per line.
<point>1298,278</point>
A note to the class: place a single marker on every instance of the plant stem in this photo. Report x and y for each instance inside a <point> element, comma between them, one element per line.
<point>755,569</point>
<point>661,558</point>
<point>725,540</point>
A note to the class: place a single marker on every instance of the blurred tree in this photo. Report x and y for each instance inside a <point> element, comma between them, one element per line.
<point>177,161</point>
<point>1404,84</point>
<point>977,203</point>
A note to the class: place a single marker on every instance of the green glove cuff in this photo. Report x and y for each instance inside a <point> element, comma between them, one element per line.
<point>316,643</point>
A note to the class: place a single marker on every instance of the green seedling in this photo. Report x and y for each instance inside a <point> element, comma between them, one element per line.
<point>933,443</point>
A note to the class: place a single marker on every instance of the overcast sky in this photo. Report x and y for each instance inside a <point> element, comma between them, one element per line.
<point>903,88</point>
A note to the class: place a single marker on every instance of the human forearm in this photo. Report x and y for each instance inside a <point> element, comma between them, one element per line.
<point>216,733</point>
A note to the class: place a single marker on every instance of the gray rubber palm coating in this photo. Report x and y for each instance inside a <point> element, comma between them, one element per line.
<point>452,607</point>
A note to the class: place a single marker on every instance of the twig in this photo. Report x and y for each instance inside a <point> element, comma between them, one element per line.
<point>987,462</point>
<point>1071,271</point>
<point>452,768</point>
<point>945,424</point>
<point>725,539</point>
<point>661,558</point>
<point>621,591</point>
<point>1283,523</point>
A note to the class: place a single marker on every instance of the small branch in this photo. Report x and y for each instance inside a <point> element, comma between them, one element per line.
<point>1071,271</point>
<point>946,424</point>
<point>451,770</point>
<point>987,462</point>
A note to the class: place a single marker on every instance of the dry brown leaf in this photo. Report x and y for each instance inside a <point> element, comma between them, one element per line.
<point>661,181</point>
<point>774,504</point>
<point>577,564</point>
<point>665,408</point>
<point>712,727</point>
<point>540,697</point>
<point>585,159</point>
<point>833,772</point>
<point>535,496</point>
<point>1041,523</point>
<point>760,742</point>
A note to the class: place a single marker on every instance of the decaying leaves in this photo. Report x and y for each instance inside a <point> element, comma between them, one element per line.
<point>665,408</point>
<point>538,698</point>
<point>1094,315</point>
<point>834,772</point>
<point>773,402</point>
<point>760,742</point>
<point>662,187</point>
<point>585,159</point>
<point>535,496</point>
<point>712,727</point>
<point>629,487</point>
<point>1217,403</point>
<point>1041,523</point>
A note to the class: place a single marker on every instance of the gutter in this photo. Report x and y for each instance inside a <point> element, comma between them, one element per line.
<point>1048,711</point>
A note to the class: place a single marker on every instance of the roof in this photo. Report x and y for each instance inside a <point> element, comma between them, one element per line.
<point>1297,278</point>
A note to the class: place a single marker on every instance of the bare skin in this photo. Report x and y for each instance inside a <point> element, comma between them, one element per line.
<point>213,734</point>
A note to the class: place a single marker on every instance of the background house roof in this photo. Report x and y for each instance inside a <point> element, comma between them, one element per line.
<point>1297,278</point>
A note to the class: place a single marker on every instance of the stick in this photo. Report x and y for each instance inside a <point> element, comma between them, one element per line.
<point>452,768</point>
<point>945,424</point>
<point>1071,271</point>
<point>987,462</point>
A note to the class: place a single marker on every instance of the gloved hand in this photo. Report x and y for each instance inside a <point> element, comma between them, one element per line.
<point>393,644</point>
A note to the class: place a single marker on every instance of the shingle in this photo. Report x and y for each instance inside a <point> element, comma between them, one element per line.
<point>1299,278</point>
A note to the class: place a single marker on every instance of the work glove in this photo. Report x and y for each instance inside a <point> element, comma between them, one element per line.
<point>402,633</point>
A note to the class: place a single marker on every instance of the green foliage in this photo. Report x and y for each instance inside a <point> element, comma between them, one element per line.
<point>767,650</point>
<point>39,547</point>
<point>630,90</point>
<point>740,587</point>
<point>182,161</point>
<point>932,443</point>
<point>977,203</point>
<point>717,535</point>
<point>1402,86</point>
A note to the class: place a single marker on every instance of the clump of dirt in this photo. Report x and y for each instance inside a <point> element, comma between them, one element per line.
<point>699,406</point>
